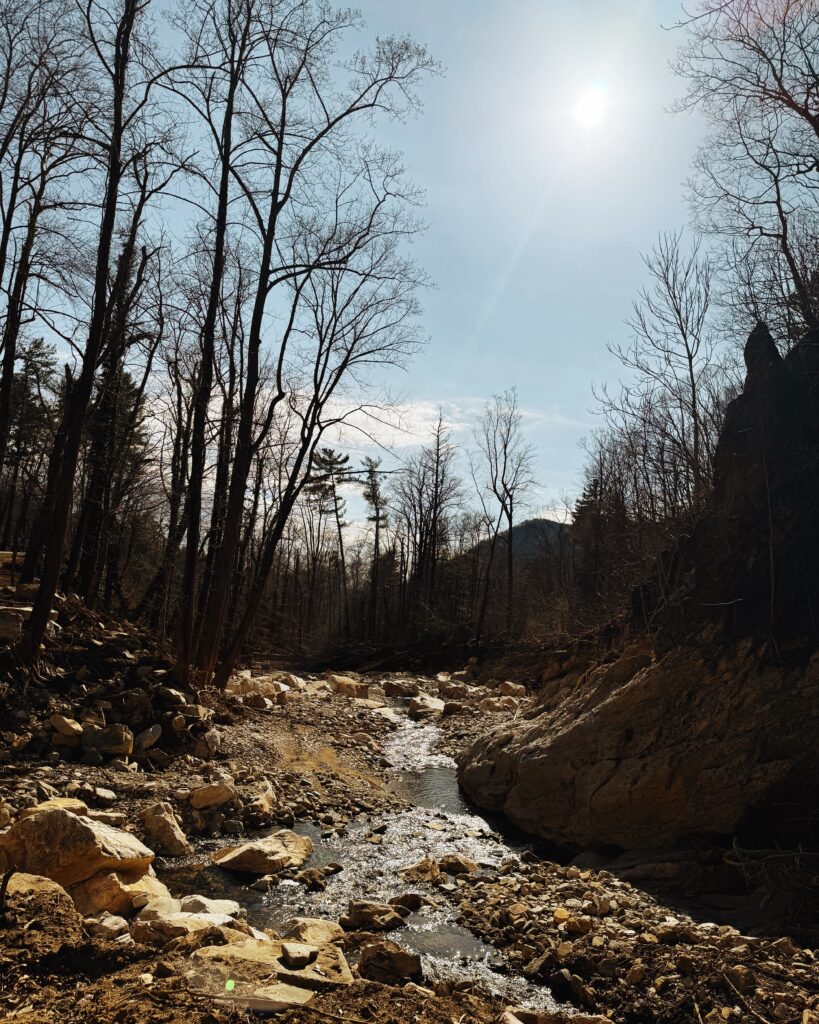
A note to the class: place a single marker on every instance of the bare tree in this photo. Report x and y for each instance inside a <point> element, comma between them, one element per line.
<point>678,372</point>
<point>507,464</point>
<point>750,66</point>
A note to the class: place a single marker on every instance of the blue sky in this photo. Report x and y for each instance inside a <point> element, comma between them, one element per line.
<point>536,222</point>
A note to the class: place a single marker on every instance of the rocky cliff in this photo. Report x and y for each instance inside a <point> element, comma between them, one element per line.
<point>705,719</point>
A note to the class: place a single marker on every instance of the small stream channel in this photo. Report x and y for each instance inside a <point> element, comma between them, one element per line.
<point>440,823</point>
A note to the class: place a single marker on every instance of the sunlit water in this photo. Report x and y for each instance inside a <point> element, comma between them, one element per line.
<point>441,823</point>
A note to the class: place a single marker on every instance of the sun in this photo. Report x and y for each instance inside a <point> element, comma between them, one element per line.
<point>592,105</point>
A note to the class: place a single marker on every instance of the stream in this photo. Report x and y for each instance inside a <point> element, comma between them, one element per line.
<point>440,823</point>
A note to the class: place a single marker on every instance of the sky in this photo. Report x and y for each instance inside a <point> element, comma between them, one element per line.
<point>550,162</point>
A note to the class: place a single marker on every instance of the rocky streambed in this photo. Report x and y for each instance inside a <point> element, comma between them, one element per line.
<point>392,858</point>
<point>352,877</point>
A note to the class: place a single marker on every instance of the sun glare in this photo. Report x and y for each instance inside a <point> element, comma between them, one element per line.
<point>592,105</point>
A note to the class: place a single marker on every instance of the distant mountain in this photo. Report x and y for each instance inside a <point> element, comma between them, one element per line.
<point>532,537</point>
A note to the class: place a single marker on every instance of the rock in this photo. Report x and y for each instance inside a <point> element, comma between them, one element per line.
<point>425,870</point>
<point>372,917</point>
<point>161,825</point>
<point>246,994</point>
<point>346,686</point>
<point>214,795</point>
<point>686,745</point>
<point>454,691</point>
<point>741,978</point>
<point>65,726</point>
<point>298,954</point>
<point>208,744</point>
<point>112,740</point>
<point>70,849</point>
<point>204,905</point>
<point>509,689</point>
<point>116,892</point>
<point>147,739</point>
<point>262,802</point>
<point>425,706</point>
<point>160,930</point>
<point>107,927</point>
<point>314,931</point>
<point>159,906</point>
<point>11,624</point>
<point>491,705</point>
<point>390,964</point>
<point>63,803</point>
<point>456,864</point>
<point>254,959</point>
<point>274,853</point>
<point>400,688</point>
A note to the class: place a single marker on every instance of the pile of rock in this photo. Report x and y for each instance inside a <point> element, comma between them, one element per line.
<point>602,944</point>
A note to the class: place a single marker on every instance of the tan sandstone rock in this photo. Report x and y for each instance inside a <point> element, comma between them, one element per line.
<point>70,849</point>
<point>274,853</point>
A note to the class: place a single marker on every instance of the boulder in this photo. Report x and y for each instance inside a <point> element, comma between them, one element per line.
<point>204,905</point>
<point>161,825</point>
<point>456,864</point>
<point>400,688</point>
<point>262,801</point>
<point>371,917</point>
<point>67,727</point>
<point>346,686</point>
<point>71,849</point>
<point>424,870</point>
<point>159,930</point>
<point>11,624</point>
<point>454,691</point>
<point>147,738</point>
<point>111,740</point>
<point>389,964</point>
<point>313,930</point>
<point>270,855</point>
<point>106,927</point>
<point>213,795</point>
<point>255,959</point>
<point>117,892</point>
<point>509,689</point>
<point>425,706</point>
<point>298,954</point>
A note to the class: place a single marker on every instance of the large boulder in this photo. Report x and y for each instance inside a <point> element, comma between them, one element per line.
<point>70,849</point>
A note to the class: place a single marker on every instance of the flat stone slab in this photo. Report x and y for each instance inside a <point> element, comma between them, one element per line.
<point>257,961</point>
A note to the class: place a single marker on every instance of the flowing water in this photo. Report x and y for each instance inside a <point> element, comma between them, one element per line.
<point>440,823</point>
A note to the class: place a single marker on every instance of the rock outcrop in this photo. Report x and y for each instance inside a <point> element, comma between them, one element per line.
<point>704,721</point>
<point>688,744</point>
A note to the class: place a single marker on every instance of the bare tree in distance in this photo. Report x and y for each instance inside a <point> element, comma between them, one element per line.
<point>506,463</point>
